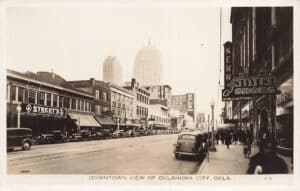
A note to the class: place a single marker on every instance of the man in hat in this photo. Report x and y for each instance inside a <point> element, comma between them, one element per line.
<point>267,161</point>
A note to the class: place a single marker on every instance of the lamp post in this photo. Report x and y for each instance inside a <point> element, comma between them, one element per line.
<point>19,113</point>
<point>212,105</point>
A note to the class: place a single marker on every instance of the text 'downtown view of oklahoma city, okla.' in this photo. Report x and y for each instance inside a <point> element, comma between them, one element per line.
<point>133,90</point>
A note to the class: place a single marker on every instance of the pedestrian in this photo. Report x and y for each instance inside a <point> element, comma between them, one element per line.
<point>217,137</point>
<point>267,161</point>
<point>228,139</point>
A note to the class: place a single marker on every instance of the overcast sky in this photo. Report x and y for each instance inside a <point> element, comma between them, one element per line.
<point>75,40</point>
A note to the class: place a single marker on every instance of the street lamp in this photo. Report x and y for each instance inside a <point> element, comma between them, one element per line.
<point>19,113</point>
<point>212,105</point>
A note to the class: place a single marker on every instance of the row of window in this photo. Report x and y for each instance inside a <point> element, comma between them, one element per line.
<point>142,99</point>
<point>121,98</point>
<point>24,95</point>
<point>101,95</point>
<point>141,111</point>
<point>99,109</point>
<point>160,119</point>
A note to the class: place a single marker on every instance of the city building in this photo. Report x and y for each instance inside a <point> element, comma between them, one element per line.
<point>141,101</point>
<point>112,70</point>
<point>47,103</point>
<point>161,93</point>
<point>122,104</point>
<point>147,66</point>
<point>200,120</point>
<point>101,105</point>
<point>184,103</point>
<point>262,45</point>
<point>159,116</point>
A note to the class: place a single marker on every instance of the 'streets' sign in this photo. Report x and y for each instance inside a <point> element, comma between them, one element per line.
<point>227,63</point>
<point>245,87</point>
<point>38,109</point>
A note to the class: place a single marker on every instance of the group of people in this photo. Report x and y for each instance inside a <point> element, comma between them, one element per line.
<point>228,137</point>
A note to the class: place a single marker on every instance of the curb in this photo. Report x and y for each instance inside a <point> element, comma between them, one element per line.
<point>203,164</point>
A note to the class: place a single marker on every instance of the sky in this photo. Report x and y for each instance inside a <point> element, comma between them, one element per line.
<point>75,40</point>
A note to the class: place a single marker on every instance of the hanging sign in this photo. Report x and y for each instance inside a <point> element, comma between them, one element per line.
<point>245,87</point>
<point>227,63</point>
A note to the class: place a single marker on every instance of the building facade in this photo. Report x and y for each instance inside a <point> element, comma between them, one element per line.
<point>122,104</point>
<point>102,104</point>
<point>141,101</point>
<point>262,44</point>
<point>184,103</point>
<point>160,93</point>
<point>47,103</point>
<point>112,70</point>
<point>147,66</point>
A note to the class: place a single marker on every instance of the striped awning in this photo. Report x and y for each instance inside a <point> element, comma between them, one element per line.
<point>84,120</point>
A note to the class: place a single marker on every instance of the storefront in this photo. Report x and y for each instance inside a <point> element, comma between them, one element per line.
<point>284,117</point>
<point>42,119</point>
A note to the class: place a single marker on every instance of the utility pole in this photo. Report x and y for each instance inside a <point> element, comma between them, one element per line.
<point>213,148</point>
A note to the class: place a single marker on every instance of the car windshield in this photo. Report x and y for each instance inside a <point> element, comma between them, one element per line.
<point>187,137</point>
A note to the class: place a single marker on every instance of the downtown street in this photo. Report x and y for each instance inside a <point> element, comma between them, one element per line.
<point>137,155</point>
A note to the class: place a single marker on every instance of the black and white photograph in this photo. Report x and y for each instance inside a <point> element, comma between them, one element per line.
<point>157,88</point>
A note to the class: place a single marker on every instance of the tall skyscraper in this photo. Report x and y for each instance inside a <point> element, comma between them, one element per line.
<point>112,70</point>
<point>147,67</point>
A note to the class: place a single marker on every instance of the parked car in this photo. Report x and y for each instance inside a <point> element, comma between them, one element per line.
<point>130,133</point>
<point>118,134</point>
<point>75,137</point>
<point>191,144</point>
<point>105,133</point>
<point>145,132</point>
<point>19,137</point>
<point>45,138</point>
<point>85,134</point>
<point>59,137</point>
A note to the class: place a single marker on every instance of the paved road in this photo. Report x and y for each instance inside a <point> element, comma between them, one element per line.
<point>139,155</point>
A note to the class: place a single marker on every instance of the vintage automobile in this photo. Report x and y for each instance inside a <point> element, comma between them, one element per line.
<point>105,133</point>
<point>46,138</point>
<point>75,137</point>
<point>59,137</point>
<point>118,134</point>
<point>85,134</point>
<point>19,137</point>
<point>190,144</point>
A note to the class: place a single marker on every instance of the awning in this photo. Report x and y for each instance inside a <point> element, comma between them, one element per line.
<point>282,111</point>
<point>84,120</point>
<point>105,120</point>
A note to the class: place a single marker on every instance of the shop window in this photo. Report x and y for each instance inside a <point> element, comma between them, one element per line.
<point>13,93</point>
<point>31,96</point>
<point>41,98</point>
<point>48,103</point>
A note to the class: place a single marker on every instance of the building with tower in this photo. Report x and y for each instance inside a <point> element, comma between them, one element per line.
<point>112,70</point>
<point>147,66</point>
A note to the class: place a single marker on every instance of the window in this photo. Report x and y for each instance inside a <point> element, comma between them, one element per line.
<point>48,99</point>
<point>114,104</point>
<point>123,106</point>
<point>61,101</point>
<point>55,100</point>
<point>104,96</point>
<point>21,94</point>
<point>74,104</point>
<point>41,98</point>
<point>80,105</point>
<point>105,109</point>
<point>97,94</point>
<point>13,93</point>
<point>119,105</point>
<point>31,96</point>
<point>66,102</point>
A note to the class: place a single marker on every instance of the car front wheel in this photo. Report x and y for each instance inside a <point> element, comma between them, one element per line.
<point>26,146</point>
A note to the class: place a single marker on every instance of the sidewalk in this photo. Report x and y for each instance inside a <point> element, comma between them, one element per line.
<point>229,161</point>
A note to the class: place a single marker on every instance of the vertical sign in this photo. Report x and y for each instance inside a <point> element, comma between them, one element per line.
<point>227,63</point>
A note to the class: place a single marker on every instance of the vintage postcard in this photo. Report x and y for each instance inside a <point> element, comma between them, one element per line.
<point>148,93</point>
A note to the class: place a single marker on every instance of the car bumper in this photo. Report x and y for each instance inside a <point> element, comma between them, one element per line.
<point>185,153</point>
